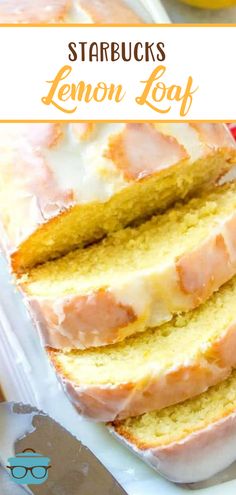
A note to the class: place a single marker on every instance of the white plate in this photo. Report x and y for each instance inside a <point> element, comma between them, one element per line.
<point>26,376</point>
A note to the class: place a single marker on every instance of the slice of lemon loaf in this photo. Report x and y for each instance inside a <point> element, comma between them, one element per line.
<point>74,11</point>
<point>66,186</point>
<point>138,277</point>
<point>157,368</point>
<point>188,442</point>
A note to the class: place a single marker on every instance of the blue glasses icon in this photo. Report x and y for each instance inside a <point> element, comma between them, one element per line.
<point>29,468</point>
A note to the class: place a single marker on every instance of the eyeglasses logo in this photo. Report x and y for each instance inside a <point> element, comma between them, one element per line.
<point>29,468</point>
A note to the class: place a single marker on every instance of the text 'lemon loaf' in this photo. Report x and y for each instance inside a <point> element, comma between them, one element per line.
<point>157,368</point>
<point>65,186</point>
<point>138,277</point>
<point>188,442</point>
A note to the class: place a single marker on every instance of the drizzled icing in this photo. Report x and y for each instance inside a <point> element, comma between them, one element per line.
<point>80,164</point>
<point>197,457</point>
<point>148,299</point>
<point>81,11</point>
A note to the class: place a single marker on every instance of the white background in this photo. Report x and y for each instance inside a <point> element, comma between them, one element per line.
<point>29,56</point>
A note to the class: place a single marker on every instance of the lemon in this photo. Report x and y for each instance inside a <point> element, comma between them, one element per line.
<point>211,4</point>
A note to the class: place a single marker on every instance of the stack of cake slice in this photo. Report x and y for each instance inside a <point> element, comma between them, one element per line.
<point>188,442</point>
<point>137,313</point>
<point>123,243</point>
<point>67,186</point>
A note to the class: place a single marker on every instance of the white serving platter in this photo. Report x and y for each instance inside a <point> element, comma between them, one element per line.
<point>25,375</point>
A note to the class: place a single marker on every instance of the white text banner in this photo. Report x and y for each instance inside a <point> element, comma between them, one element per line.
<point>115,73</point>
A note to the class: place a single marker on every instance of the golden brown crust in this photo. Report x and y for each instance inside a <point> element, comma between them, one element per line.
<point>155,151</point>
<point>121,430</point>
<point>82,321</point>
<point>216,268</point>
<point>18,256</point>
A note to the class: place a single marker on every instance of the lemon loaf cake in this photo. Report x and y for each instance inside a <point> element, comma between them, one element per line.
<point>65,186</point>
<point>188,442</point>
<point>157,368</point>
<point>75,11</point>
<point>137,277</point>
